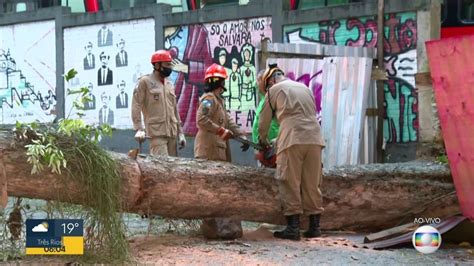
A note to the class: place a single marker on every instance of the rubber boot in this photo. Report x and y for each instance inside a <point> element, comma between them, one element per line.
<point>292,230</point>
<point>313,229</point>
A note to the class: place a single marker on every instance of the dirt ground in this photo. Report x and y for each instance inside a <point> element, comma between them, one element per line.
<point>258,247</point>
<point>176,242</point>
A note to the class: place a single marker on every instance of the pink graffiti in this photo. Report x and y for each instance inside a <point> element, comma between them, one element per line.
<point>197,56</point>
<point>317,87</point>
<point>401,37</point>
<point>363,29</point>
<point>327,36</point>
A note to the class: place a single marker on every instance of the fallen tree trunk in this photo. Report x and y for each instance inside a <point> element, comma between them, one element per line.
<point>363,197</point>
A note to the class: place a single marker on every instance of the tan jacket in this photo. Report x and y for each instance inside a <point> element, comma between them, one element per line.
<point>295,111</point>
<point>212,115</point>
<point>157,102</point>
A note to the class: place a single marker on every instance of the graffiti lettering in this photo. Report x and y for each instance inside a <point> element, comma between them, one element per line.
<point>235,39</point>
<point>258,24</point>
<point>250,118</point>
<point>215,30</point>
<point>400,37</point>
<point>237,118</point>
<point>29,95</point>
<point>367,33</point>
<point>400,32</point>
<point>25,92</point>
<point>408,36</point>
<point>401,122</point>
<point>237,33</point>
<point>327,32</point>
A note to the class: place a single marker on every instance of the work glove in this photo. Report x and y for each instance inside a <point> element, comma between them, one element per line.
<point>140,136</point>
<point>224,133</point>
<point>264,143</point>
<point>181,141</point>
<point>244,146</point>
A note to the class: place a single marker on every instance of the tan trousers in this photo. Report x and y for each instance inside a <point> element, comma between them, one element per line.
<point>163,146</point>
<point>300,175</point>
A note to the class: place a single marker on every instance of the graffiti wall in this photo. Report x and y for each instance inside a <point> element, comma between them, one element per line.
<point>306,71</point>
<point>230,44</point>
<point>28,72</point>
<point>109,58</point>
<point>400,36</point>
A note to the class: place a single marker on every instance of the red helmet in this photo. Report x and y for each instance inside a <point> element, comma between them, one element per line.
<point>215,71</point>
<point>161,56</point>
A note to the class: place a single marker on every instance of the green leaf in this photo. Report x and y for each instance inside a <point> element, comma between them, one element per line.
<point>86,99</point>
<point>72,92</point>
<point>78,105</point>
<point>85,91</point>
<point>70,74</point>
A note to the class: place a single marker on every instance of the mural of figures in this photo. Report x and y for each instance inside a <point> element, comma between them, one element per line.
<point>229,43</point>
<point>104,73</point>
<point>106,115</point>
<point>104,36</point>
<point>400,36</point>
<point>121,59</point>
<point>118,67</point>
<point>90,105</point>
<point>138,73</point>
<point>89,59</point>
<point>235,86</point>
<point>28,72</point>
<point>221,54</point>
<point>249,74</point>
<point>121,101</point>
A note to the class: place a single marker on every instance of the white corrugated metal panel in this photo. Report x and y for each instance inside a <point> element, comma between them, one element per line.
<point>322,49</point>
<point>346,82</point>
<point>341,88</point>
<point>368,154</point>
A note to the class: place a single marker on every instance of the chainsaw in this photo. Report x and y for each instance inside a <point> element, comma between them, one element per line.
<point>266,155</point>
<point>247,143</point>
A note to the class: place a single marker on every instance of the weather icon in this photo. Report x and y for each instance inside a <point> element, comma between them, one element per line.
<point>42,227</point>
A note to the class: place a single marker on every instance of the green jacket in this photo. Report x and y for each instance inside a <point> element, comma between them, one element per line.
<point>274,127</point>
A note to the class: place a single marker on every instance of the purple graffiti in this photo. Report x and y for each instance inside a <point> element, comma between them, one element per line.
<point>317,87</point>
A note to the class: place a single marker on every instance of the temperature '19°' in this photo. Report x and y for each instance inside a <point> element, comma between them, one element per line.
<point>68,228</point>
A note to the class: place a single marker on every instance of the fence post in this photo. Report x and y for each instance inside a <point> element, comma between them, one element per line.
<point>380,85</point>
<point>263,56</point>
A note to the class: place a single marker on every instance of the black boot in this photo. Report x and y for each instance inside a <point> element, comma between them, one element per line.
<point>313,230</point>
<point>292,230</point>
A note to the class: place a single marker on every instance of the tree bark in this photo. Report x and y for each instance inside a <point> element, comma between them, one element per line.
<point>362,197</point>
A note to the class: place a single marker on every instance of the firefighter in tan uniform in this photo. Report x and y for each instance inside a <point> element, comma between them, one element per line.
<point>154,97</point>
<point>299,146</point>
<point>215,128</point>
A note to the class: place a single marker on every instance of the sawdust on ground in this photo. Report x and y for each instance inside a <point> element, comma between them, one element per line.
<point>258,247</point>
